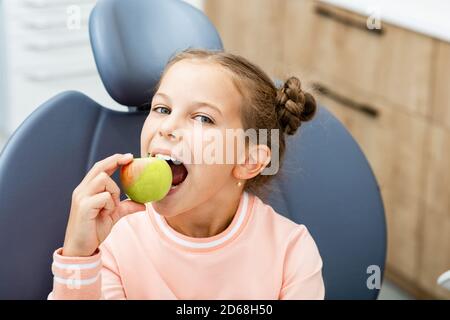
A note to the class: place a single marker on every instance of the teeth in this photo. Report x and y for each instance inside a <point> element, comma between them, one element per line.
<point>162,156</point>
<point>167,158</point>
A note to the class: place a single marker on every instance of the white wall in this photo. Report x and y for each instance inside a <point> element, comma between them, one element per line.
<point>45,55</point>
<point>42,57</point>
<point>3,115</point>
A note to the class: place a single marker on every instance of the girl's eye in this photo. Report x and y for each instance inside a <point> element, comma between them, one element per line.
<point>205,119</point>
<point>164,110</point>
<point>202,118</point>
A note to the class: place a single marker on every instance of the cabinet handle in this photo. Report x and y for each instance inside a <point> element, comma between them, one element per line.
<point>43,76</point>
<point>345,101</point>
<point>45,45</point>
<point>51,23</point>
<point>327,13</point>
<point>52,3</point>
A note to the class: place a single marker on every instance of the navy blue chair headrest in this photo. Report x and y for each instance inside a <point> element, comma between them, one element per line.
<point>131,54</point>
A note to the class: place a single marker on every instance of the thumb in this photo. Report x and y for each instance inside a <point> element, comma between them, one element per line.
<point>129,206</point>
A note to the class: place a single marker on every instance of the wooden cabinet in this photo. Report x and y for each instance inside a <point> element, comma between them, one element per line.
<point>377,125</point>
<point>251,28</point>
<point>441,85</point>
<point>299,39</point>
<point>436,237</point>
<point>383,61</point>
<point>435,252</point>
<point>437,183</point>
<point>436,216</point>
<point>390,88</point>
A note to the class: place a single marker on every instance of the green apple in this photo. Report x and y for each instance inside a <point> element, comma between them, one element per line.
<point>146,179</point>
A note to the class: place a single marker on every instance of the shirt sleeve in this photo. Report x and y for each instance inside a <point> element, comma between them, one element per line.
<point>86,278</point>
<point>302,276</point>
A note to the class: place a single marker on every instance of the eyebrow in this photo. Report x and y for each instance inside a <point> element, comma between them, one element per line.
<point>197,103</point>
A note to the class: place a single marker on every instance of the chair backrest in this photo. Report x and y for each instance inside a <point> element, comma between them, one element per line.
<point>325,183</point>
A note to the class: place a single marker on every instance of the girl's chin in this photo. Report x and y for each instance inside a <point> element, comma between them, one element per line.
<point>173,196</point>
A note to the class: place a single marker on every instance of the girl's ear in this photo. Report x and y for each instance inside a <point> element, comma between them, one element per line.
<point>256,159</point>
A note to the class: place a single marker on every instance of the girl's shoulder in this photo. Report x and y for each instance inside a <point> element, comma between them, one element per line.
<point>277,223</point>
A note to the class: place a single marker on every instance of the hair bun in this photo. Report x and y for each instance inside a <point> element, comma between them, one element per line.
<point>293,105</point>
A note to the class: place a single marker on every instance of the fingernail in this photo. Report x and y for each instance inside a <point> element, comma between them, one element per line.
<point>127,155</point>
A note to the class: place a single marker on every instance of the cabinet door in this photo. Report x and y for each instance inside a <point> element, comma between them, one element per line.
<point>441,85</point>
<point>393,142</point>
<point>392,62</point>
<point>435,253</point>
<point>251,28</point>
<point>437,183</point>
<point>299,37</point>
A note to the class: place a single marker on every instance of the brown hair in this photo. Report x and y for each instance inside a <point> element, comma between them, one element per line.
<point>264,105</point>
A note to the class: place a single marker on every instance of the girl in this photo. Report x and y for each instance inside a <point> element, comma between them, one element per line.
<point>211,237</point>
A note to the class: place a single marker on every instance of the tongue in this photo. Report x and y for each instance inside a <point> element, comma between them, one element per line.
<point>179,173</point>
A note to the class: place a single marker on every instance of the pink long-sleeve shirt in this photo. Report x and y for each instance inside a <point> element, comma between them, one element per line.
<point>260,255</point>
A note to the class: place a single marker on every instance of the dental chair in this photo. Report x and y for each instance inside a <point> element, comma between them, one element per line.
<point>325,183</point>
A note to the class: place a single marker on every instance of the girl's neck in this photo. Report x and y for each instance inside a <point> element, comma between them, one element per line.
<point>210,218</point>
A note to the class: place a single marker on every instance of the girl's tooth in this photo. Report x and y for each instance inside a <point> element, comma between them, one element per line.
<point>167,158</point>
<point>163,157</point>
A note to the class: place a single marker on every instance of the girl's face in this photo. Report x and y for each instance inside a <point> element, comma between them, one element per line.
<point>196,99</point>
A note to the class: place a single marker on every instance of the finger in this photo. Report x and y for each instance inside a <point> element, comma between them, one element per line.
<point>100,201</point>
<point>102,183</point>
<point>108,165</point>
<point>127,207</point>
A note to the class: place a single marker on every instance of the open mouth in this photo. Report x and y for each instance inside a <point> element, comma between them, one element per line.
<point>179,171</point>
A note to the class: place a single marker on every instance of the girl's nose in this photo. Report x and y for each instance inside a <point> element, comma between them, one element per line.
<point>169,129</point>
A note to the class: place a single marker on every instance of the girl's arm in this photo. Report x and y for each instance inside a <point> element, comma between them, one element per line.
<point>86,278</point>
<point>302,278</point>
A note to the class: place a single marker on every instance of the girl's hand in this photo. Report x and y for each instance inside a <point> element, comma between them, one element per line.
<point>96,207</point>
